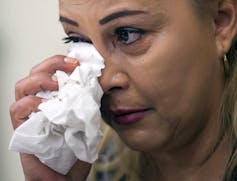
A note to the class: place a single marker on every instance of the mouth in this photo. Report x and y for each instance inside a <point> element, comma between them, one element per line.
<point>128,116</point>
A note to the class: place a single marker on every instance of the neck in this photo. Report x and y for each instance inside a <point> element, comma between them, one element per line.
<point>205,158</point>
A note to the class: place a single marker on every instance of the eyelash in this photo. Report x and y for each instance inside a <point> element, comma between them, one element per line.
<point>75,39</point>
<point>122,36</point>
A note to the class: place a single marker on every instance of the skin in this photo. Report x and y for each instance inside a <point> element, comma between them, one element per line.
<point>174,70</point>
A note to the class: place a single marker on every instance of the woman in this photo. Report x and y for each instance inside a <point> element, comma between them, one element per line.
<point>169,84</point>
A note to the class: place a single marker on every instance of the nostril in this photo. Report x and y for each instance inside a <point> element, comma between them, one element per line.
<point>114,89</point>
<point>111,90</point>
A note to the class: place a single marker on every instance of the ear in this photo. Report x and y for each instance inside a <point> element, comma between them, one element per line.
<point>226,25</point>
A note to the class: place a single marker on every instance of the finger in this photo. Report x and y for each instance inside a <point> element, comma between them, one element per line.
<point>35,83</point>
<point>21,109</point>
<point>57,62</point>
<point>34,169</point>
<point>79,171</point>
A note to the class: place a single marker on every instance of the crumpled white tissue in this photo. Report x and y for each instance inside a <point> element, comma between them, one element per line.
<point>67,127</point>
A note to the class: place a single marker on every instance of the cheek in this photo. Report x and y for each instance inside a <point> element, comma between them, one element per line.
<point>173,79</point>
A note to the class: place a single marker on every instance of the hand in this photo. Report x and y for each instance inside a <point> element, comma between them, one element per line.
<point>41,78</point>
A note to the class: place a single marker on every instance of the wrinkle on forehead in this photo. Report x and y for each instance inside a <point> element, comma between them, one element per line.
<point>110,2</point>
<point>108,5</point>
<point>88,11</point>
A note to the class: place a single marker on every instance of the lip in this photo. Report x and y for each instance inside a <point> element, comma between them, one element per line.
<point>129,116</point>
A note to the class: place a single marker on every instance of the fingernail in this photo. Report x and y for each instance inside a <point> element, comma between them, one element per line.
<point>70,60</point>
<point>54,78</point>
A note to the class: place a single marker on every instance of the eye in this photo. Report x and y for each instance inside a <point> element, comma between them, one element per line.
<point>75,39</point>
<point>127,35</point>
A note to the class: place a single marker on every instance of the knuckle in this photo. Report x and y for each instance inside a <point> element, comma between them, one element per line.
<point>22,109</point>
<point>13,109</point>
<point>18,85</point>
<point>33,78</point>
<point>55,61</point>
<point>18,88</point>
<point>38,80</point>
<point>57,57</point>
<point>13,114</point>
<point>33,70</point>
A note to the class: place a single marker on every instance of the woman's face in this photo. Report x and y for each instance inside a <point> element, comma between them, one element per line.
<point>163,80</point>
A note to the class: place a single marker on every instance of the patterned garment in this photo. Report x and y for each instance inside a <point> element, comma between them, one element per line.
<point>110,166</point>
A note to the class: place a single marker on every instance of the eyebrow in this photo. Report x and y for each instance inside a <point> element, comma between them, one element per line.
<point>67,20</point>
<point>120,14</point>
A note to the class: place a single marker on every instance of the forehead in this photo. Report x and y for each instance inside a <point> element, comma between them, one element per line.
<point>102,7</point>
<point>108,2</point>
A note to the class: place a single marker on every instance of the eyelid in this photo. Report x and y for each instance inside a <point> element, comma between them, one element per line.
<point>79,35</point>
<point>136,30</point>
<point>71,34</point>
<point>82,38</point>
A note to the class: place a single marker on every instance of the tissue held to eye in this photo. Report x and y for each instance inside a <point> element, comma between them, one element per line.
<point>67,127</point>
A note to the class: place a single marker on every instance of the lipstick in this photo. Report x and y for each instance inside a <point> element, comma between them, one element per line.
<point>128,116</point>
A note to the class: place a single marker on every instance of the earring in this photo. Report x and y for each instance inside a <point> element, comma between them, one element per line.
<point>226,65</point>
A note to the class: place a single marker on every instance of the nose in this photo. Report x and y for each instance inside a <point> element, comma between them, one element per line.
<point>113,77</point>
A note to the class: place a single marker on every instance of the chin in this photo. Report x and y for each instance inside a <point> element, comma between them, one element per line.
<point>144,141</point>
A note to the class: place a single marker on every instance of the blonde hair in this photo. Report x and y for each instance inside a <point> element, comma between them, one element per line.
<point>230,94</point>
<point>229,106</point>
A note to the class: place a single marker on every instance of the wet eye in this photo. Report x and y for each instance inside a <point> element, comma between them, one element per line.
<point>75,39</point>
<point>128,36</point>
